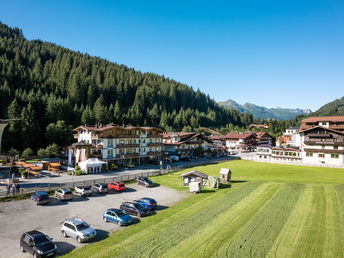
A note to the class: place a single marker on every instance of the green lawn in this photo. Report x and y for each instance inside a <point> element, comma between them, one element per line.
<point>272,210</point>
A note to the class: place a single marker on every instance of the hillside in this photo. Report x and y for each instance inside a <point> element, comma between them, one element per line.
<point>263,112</point>
<point>43,83</point>
<point>334,108</point>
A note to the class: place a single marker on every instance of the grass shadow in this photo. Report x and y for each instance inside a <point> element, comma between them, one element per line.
<point>101,235</point>
<point>161,207</point>
<point>63,247</point>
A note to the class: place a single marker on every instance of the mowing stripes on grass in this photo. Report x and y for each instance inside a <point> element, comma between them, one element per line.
<point>260,234</point>
<point>206,241</point>
<point>290,234</point>
<point>162,240</point>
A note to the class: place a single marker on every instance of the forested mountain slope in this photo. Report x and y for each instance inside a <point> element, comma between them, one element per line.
<point>334,108</point>
<point>43,83</point>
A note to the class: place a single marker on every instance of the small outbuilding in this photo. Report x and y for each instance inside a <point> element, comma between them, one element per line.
<point>225,175</point>
<point>193,176</point>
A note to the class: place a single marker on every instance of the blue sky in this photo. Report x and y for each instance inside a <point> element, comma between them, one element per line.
<point>271,53</point>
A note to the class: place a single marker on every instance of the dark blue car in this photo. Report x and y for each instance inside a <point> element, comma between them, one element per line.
<point>117,216</point>
<point>147,202</point>
<point>40,197</point>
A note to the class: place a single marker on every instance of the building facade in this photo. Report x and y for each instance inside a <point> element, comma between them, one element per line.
<point>240,142</point>
<point>115,143</point>
<point>185,144</point>
<point>323,146</point>
<point>263,138</point>
<point>291,137</point>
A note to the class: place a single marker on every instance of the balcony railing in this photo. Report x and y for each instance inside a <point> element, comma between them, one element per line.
<point>122,146</point>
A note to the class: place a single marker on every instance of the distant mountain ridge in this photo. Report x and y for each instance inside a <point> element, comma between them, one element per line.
<point>333,108</point>
<point>264,112</point>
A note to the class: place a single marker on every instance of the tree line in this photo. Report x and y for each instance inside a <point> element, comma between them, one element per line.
<point>53,89</point>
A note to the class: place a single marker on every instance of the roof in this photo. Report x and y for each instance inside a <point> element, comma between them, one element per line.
<point>264,146</point>
<point>188,139</point>
<point>261,134</point>
<point>238,135</point>
<point>322,127</point>
<point>225,171</point>
<point>101,128</point>
<point>41,193</point>
<point>34,232</point>
<point>293,127</point>
<point>76,221</point>
<point>195,172</point>
<point>323,119</point>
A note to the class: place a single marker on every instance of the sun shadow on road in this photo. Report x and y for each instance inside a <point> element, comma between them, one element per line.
<point>128,190</point>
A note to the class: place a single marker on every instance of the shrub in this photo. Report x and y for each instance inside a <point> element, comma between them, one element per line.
<point>52,150</point>
<point>42,153</point>
<point>27,153</point>
<point>23,173</point>
<point>13,152</point>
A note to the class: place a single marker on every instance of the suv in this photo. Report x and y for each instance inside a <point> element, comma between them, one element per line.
<point>78,229</point>
<point>144,181</point>
<point>38,244</point>
<point>149,203</point>
<point>64,194</point>
<point>40,197</point>
<point>83,190</point>
<point>100,188</point>
<point>134,209</point>
<point>118,186</point>
<point>117,216</point>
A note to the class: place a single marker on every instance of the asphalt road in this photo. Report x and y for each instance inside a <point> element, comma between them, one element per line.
<point>17,217</point>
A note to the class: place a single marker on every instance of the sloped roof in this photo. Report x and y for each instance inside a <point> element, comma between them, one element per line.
<point>238,135</point>
<point>225,171</point>
<point>322,127</point>
<point>196,173</point>
<point>323,119</point>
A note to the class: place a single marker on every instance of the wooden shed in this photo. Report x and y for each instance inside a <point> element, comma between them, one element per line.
<point>193,176</point>
<point>225,175</point>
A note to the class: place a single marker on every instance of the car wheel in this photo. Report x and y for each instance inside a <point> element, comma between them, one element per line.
<point>22,249</point>
<point>64,234</point>
<point>139,214</point>
<point>105,219</point>
<point>35,255</point>
<point>119,223</point>
<point>78,239</point>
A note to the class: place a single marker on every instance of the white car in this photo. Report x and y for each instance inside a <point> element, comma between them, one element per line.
<point>78,229</point>
<point>83,190</point>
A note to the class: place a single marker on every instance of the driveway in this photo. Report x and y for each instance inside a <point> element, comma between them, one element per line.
<point>20,216</point>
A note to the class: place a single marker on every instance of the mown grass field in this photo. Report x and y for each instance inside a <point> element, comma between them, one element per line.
<point>271,211</point>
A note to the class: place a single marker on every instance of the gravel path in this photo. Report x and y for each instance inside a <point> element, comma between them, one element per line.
<point>20,216</point>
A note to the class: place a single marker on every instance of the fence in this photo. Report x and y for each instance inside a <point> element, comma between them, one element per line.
<point>120,177</point>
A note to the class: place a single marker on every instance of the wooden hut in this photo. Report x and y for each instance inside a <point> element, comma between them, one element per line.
<point>225,175</point>
<point>193,176</point>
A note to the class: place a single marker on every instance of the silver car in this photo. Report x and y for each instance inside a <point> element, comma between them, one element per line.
<point>78,229</point>
<point>100,188</point>
<point>64,194</point>
<point>83,190</point>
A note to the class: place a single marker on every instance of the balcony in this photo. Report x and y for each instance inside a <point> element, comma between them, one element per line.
<point>154,144</point>
<point>324,143</point>
<point>154,153</point>
<point>122,146</point>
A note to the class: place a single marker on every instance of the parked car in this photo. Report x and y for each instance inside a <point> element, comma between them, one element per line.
<point>40,197</point>
<point>64,194</point>
<point>144,181</point>
<point>100,188</point>
<point>117,216</point>
<point>78,229</point>
<point>83,190</point>
<point>118,186</point>
<point>38,244</point>
<point>149,203</point>
<point>134,209</point>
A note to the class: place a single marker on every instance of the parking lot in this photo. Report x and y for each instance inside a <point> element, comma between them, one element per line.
<point>20,216</point>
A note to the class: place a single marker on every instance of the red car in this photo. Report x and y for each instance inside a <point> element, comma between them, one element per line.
<point>118,186</point>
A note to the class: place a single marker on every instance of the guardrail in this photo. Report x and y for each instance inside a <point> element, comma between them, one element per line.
<point>120,177</point>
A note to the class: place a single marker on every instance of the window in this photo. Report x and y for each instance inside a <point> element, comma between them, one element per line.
<point>309,154</point>
<point>321,155</point>
<point>334,156</point>
<point>335,147</point>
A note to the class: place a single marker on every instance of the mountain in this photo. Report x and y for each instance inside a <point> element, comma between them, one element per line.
<point>334,108</point>
<point>53,89</point>
<point>263,112</point>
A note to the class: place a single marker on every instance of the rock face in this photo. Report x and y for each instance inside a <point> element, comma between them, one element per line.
<point>264,112</point>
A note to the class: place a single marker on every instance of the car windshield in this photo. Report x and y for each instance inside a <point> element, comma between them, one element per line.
<point>86,188</point>
<point>41,240</point>
<point>120,213</point>
<point>82,226</point>
<point>148,181</point>
<point>104,186</point>
<point>138,206</point>
<point>67,192</point>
